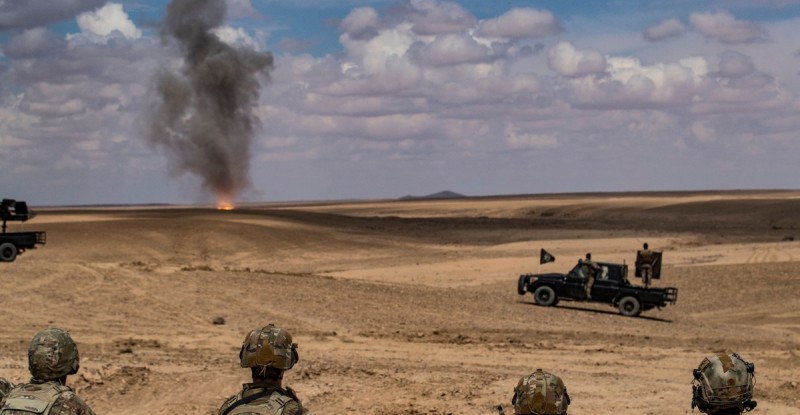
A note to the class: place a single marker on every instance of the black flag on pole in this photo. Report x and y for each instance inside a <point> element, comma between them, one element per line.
<point>545,257</point>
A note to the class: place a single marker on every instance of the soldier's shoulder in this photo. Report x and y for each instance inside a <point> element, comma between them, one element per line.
<point>228,402</point>
<point>294,407</point>
<point>68,403</point>
<point>5,387</point>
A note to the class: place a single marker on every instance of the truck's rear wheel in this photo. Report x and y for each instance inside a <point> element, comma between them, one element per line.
<point>630,306</point>
<point>545,296</point>
<point>522,284</point>
<point>8,252</point>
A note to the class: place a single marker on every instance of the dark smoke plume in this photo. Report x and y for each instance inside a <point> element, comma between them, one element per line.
<point>204,117</point>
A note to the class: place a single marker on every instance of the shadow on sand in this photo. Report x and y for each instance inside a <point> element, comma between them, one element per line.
<point>591,310</point>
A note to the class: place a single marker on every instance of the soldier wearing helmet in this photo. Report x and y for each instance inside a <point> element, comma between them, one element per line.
<point>723,385</point>
<point>268,352</point>
<point>540,393</point>
<point>52,356</point>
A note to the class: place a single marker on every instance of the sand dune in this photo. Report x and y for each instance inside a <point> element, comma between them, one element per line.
<point>410,307</point>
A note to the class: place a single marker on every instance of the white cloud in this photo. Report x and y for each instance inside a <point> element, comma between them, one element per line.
<point>664,30</point>
<point>238,9</point>
<point>418,91</point>
<point>28,14</point>
<point>453,49</point>
<point>432,17</point>
<point>703,132</point>
<point>55,109</point>
<point>630,84</point>
<point>735,65</point>
<point>725,28</point>
<point>361,21</point>
<point>7,141</point>
<point>88,145</point>
<point>374,54</point>
<point>516,140</point>
<point>567,61</point>
<point>106,20</point>
<point>519,23</point>
<point>32,43</point>
<point>236,36</point>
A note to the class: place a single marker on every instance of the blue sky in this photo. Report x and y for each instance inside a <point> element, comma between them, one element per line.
<point>379,99</point>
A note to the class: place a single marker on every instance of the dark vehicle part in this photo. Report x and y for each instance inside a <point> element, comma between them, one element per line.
<point>8,252</point>
<point>522,283</point>
<point>611,286</point>
<point>630,306</point>
<point>545,296</point>
<point>13,244</point>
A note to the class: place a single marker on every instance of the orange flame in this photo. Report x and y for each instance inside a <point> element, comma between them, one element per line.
<point>224,204</point>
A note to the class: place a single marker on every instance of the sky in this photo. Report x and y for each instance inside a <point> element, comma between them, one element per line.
<point>382,99</point>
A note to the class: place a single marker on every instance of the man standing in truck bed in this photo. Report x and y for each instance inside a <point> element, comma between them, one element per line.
<point>590,269</point>
<point>646,265</point>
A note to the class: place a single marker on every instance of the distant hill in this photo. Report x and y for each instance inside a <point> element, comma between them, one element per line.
<point>446,194</point>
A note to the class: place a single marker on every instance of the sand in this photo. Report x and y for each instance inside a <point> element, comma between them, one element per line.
<point>410,307</point>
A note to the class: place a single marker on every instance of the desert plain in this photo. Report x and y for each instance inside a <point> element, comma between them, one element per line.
<point>410,307</point>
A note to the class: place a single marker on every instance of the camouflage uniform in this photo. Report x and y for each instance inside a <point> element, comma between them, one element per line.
<point>5,387</point>
<point>723,384</point>
<point>266,399</point>
<point>540,393</point>
<point>646,258</point>
<point>269,348</point>
<point>591,272</point>
<point>48,398</point>
<point>52,356</point>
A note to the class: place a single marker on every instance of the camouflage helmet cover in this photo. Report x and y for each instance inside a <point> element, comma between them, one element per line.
<point>269,346</point>
<point>52,354</point>
<point>724,382</point>
<point>541,393</point>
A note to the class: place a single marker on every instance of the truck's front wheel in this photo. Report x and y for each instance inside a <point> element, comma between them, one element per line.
<point>8,252</point>
<point>545,296</point>
<point>630,306</point>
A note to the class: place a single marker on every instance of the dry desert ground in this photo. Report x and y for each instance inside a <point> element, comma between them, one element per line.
<point>410,307</point>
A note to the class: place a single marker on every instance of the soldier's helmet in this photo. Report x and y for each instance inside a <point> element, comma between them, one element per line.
<point>269,346</point>
<point>540,393</point>
<point>723,383</point>
<point>52,354</point>
<point>645,246</point>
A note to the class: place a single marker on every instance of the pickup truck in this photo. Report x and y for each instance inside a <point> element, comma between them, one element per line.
<point>611,286</point>
<point>15,243</point>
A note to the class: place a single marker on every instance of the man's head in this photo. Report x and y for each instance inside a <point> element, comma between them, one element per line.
<point>645,246</point>
<point>588,255</point>
<point>540,393</point>
<point>723,384</point>
<point>52,355</point>
<point>268,351</point>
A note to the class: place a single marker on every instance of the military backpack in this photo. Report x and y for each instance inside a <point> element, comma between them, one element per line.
<point>32,398</point>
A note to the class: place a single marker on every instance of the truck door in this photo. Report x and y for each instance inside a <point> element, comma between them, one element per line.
<point>576,281</point>
<point>606,284</point>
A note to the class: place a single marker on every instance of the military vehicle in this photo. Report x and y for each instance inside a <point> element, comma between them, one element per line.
<point>611,286</point>
<point>15,243</point>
